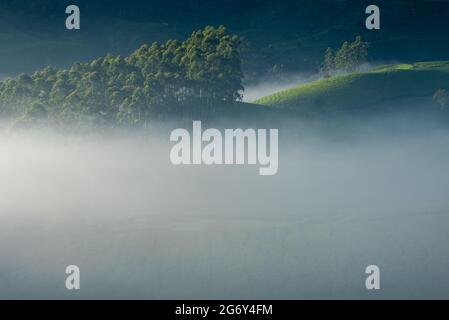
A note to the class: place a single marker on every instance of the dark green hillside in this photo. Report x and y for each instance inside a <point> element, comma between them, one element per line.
<point>161,80</point>
<point>290,33</point>
<point>355,91</point>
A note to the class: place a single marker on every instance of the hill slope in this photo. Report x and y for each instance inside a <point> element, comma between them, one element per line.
<point>290,33</point>
<point>360,90</point>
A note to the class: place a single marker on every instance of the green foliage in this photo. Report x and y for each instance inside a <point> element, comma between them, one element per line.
<point>329,63</point>
<point>373,89</point>
<point>35,115</point>
<point>154,81</point>
<point>36,111</point>
<point>348,58</point>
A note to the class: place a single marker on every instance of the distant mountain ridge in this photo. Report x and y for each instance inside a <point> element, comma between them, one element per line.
<point>293,34</point>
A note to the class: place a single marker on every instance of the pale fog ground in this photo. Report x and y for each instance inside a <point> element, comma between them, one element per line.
<point>139,227</point>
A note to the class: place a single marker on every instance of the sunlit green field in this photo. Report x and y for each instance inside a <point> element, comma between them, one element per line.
<point>365,89</point>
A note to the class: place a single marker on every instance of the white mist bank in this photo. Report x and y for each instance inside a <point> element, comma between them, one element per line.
<point>139,227</point>
<point>234,147</point>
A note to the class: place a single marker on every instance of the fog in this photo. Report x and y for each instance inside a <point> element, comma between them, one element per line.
<point>139,227</point>
<point>254,91</point>
<point>4,76</point>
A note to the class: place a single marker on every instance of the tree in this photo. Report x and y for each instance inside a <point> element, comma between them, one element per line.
<point>213,64</point>
<point>36,111</point>
<point>35,115</point>
<point>328,64</point>
<point>155,80</point>
<point>348,58</point>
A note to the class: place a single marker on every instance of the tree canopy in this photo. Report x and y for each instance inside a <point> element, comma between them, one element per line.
<point>155,80</point>
<point>348,58</point>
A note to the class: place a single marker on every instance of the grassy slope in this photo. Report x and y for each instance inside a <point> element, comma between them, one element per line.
<point>358,90</point>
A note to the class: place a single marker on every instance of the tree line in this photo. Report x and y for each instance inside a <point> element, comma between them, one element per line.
<point>348,58</point>
<point>154,81</point>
